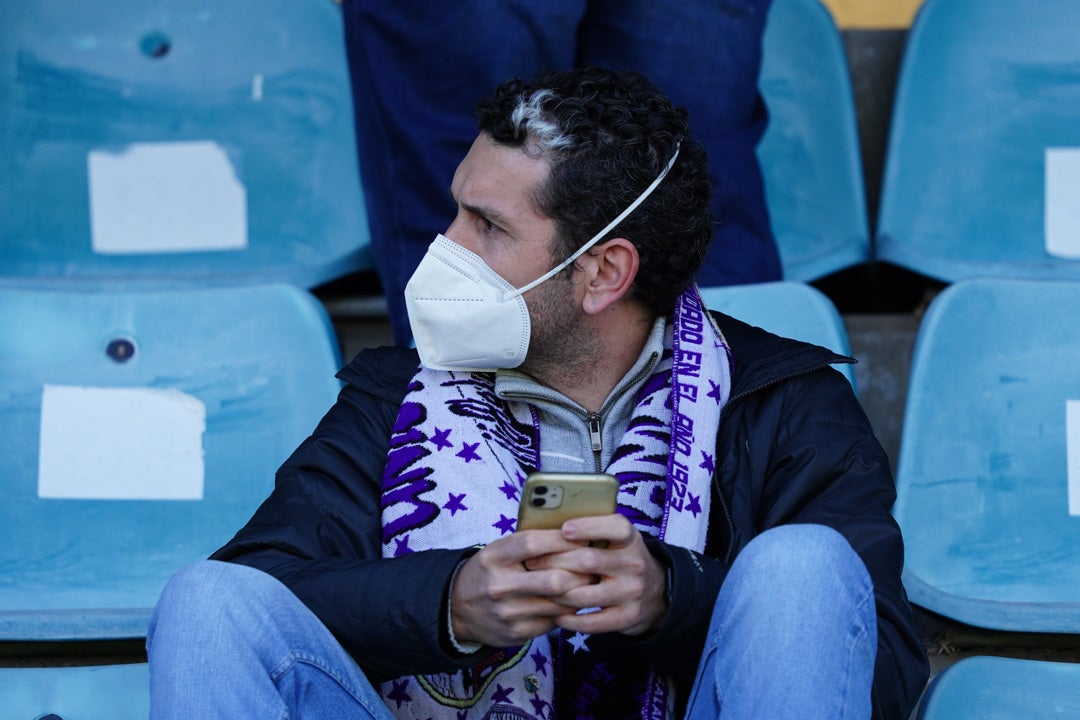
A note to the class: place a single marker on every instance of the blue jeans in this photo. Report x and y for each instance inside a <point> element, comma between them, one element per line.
<point>418,67</point>
<point>793,634</point>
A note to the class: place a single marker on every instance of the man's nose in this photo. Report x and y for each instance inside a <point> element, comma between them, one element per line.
<point>455,233</point>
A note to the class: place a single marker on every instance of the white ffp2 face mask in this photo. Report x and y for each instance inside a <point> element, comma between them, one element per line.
<point>465,316</point>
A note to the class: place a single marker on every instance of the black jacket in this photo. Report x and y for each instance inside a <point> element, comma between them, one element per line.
<point>794,446</point>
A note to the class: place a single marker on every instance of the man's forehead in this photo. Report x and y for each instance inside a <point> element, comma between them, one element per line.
<point>501,178</point>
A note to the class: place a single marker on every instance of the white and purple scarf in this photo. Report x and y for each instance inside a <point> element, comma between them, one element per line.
<point>457,461</point>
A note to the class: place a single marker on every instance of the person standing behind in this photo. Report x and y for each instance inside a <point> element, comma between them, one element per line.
<point>417,67</point>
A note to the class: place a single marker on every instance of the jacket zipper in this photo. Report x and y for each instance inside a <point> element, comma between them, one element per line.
<point>596,439</point>
<point>594,421</point>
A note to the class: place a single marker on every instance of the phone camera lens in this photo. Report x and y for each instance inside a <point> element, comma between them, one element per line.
<point>541,490</point>
<point>538,502</point>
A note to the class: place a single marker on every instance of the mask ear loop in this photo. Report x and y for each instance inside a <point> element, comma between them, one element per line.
<point>597,237</point>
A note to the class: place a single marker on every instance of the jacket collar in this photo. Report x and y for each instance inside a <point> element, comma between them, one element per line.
<point>761,358</point>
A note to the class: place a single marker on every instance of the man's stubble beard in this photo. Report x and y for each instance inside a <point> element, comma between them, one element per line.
<point>560,344</point>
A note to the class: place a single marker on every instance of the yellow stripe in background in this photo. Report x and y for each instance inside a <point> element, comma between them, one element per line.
<point>873,14</point>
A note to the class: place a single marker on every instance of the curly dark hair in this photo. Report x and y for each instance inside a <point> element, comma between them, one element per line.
<point>608,135</point>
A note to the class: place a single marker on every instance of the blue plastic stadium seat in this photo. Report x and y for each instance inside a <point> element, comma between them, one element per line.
<point>982,164</point>
<point>105,692</point>
<point>810,152</point>
<point>185,141</point>
<point>988,479</point>
<point>138,432</point>
<point>791,309</point>
<point>997,688</point>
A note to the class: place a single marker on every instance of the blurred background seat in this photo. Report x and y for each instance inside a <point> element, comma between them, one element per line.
<point>177,142</point>
<point>988,481</point>
<point>810,152</point>
<point>984,149</point>
<point>996,688</point>
<point>791,309</point>
<point>138,432</point>
<point>109,692</point>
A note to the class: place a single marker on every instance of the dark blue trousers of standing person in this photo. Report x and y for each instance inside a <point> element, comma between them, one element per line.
<point>418,68</point>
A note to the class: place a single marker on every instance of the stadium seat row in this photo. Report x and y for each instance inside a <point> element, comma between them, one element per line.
<point>983,161</point>
<point>177,143</point>
<point>981,179</point>
<point>976,688</point>
<point>139,429</point>
<point>157,144</point>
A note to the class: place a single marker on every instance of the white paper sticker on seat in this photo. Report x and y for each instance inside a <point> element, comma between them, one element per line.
<point>166,198</point>
<point>120,444</point>
<point>1062,221</point>
<point>1072,440</point>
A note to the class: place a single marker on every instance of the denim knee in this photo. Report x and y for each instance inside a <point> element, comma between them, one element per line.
<point>802,570</point>
<point>793,550</point>
<point>208,582</point>
<point>211,594</point>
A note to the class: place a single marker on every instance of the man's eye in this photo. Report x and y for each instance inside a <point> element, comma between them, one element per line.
<point>488,226</point>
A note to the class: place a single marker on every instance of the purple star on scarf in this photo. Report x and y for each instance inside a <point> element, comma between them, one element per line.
<point>454,504</point>
<point>501,694</point>
<point>401,546</point>
<point>468,452</point>
<point>707,463</point>
<point>441,439</point>
<point>541,661</point>
<point>399,693</point>
<point>694,505</point>
<point>509,491</point>
<point>715,393</point>
<point>505,524</point>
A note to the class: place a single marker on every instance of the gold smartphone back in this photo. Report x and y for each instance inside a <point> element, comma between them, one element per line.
<point>550,499</point>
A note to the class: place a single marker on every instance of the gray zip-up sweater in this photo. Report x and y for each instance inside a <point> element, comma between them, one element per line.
<point>573,439</point>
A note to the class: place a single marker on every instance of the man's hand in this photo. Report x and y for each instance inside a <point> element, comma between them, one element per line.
<point>628,583</point>
<point>528,583</point>
<point>496,601</point>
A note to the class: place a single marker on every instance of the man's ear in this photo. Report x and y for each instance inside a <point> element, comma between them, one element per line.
<point>610,269</point>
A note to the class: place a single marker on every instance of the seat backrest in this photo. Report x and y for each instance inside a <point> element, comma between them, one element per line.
<point>177,141</point>
<point>100,692</point>
<point>791,309</point>
<point>810,153</point>
<point>138,432</point>
<point>1002,688</point>
<point>983,159</point>
<point>988,478</point>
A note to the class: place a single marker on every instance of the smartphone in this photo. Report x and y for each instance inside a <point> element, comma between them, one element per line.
<point>550,499</point>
